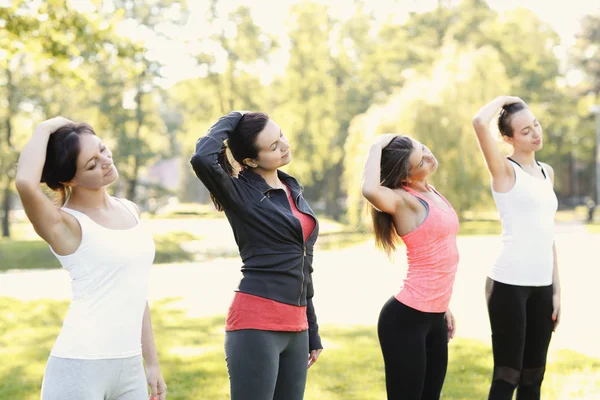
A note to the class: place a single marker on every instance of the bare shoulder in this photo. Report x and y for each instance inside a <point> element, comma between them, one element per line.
<point>410,201</point>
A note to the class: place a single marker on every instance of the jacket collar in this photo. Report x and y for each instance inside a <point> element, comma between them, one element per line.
<point>258,181</point>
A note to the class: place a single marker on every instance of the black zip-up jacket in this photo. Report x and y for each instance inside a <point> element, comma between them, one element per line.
<point>277,263</point>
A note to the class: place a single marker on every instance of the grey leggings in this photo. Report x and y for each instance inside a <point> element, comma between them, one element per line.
<point>266,365</point>
<point>111,379</point>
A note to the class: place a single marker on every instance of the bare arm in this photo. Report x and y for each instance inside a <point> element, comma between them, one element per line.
<point>52,224</point>
<point>497,164</point>
<point>555,275</point>
<point>556,300</point>
<point>381,197</point>
<point>156,382</point>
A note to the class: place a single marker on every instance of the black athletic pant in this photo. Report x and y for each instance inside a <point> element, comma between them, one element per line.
<point>415,351</point>
<point>266,365</point>
<point>521,322</point>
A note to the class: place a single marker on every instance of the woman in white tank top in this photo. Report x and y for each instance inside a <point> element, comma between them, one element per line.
<point>523,287</point>
<point>100,241</point>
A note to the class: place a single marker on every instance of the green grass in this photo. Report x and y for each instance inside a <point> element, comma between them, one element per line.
<point>26,254</point>
<point>187,210</point>
<point>192,359</point>
<point>174,244</point>
<point>593,227</point>
<point>32,254</point>
<point>480,227</point>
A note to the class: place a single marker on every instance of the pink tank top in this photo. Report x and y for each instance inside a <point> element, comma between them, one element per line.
<point>432,259</point>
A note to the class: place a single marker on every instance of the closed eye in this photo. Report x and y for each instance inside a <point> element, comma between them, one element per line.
<point>102,150</point>
<point>276,144</point>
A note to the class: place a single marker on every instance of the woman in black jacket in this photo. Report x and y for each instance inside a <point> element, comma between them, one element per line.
<point>271,326</point>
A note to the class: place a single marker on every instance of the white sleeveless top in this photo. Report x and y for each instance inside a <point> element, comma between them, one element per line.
<point>527,214</point>
<point>109,272</point>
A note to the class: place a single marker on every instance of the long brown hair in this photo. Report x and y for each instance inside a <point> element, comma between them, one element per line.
<point>241,142</point>
<point>395,167</point>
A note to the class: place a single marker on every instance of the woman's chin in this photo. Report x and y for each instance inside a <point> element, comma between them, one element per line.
<point>286,160</point>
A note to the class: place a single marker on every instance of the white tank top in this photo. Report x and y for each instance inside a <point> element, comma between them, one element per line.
<point>527,214</point>
<point>109,278</point>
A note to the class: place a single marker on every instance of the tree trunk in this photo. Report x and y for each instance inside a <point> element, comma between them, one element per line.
<point>139,116</point>
<point>334,191</point>
<point>7,205</point>
<point>7,202</point>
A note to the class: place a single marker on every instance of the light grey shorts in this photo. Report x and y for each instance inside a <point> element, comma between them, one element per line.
<point>111,379</point>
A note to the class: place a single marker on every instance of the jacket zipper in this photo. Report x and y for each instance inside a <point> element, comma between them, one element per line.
<point>303,248</point>
<point>303,255</point>
<point>303,251</point>
<point>302,286</point>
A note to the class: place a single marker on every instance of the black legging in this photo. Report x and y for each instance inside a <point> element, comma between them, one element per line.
<point>521,322</point>
<point>266,365</point>
<point>415,351</point>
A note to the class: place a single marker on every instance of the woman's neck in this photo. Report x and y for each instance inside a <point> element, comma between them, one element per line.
<point>89,199</point>
<point>524,158</point>
<point>419,185</point>
<point>270,177</point>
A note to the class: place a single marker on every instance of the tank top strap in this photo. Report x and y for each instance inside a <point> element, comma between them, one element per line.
<point>520,171</point>
<point>79,216</point>
<point>88,228</point>
<point>546,176</point>
<point>129,206</point>
<point>516,166</point>
<point>416,194</point>
<point>441,196</point>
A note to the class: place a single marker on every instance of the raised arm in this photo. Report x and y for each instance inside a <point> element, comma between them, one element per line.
<point>205,160</point>
<point>381,197</point>
<point>56,227</point>
<point>497,164</point>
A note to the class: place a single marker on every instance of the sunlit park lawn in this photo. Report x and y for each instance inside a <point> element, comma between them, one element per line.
<point>352,280</point>
<point>183,239</point>
<point>191,352</point>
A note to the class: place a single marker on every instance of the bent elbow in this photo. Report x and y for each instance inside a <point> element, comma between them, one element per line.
<point>24,185</point>
<point>367,192</point>
<point>477,122</point>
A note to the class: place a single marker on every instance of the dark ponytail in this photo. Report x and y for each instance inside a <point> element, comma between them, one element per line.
<point>395,168</point>
<point>223,159</point>
<point>61,158</point>
<point>505,117</point>
<point>241,144</point>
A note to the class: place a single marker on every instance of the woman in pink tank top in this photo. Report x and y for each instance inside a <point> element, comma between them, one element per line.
<point>415,325</point>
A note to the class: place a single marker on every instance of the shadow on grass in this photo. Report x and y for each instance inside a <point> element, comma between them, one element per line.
<point>193,362</point>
